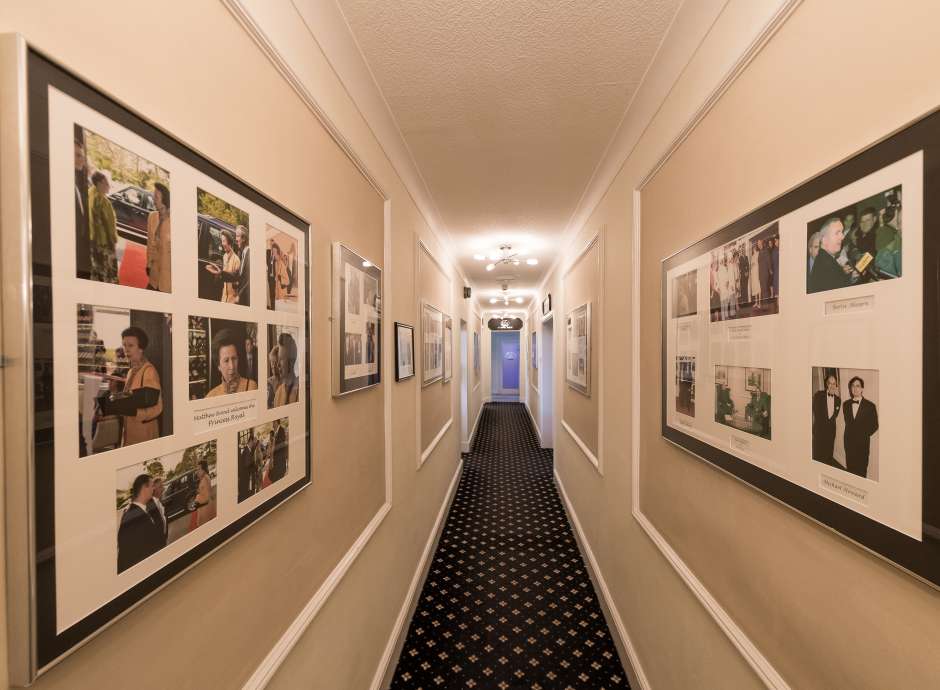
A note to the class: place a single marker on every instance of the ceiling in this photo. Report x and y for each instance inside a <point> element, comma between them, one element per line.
<point>507,107</point>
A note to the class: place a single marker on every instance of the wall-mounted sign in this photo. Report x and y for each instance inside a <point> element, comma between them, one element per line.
<point>505,324</point>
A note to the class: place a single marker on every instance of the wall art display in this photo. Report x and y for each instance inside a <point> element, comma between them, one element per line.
<point>223,258</point>
<point>125,377</point>
<point>432,339</point>
<point>808,300</point>
<point>162,499</point>
<point>535,351</point>
<point>448,349</point>
<point>283,383</point>
<point>263,456</point>
<point>152,354</point>
<point>476,353</point>
<point>404,351</point>
<point>357,321</point>
<point>856,244</point>
<point>845,419</point>
<point>281,269</point>
<point>547,304</point>
<point>578,349</point>
<point>685,384</point>
<point>122,215</point>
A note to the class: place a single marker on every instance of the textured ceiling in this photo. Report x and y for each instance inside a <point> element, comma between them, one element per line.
<point>507,107</point>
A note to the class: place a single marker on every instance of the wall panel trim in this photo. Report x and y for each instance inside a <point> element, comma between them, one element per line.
<point>594,460</point>
<point>748,650</point>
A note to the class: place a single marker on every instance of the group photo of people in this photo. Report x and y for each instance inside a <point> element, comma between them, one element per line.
<point>281,268</point>
<point>744,276</point>
<point>685,385</point>
<point>845,419</point>
<point>685,294</point>
<point>161,499</point>
<point>742,399</point>
<point>283,380</point>
<point>222,250</point>
<point>262,456</point>
<point>857,244</point>
<point>223,357</point>
<point>125,381</point>
<point>122,215</point>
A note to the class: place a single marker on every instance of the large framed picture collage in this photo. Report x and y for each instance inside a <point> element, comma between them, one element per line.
<point>800,348</point>
<point>170,330</point>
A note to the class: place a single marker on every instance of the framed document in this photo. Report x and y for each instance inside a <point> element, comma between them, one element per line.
<point>448,348</point>
<point>780,340</point>
<point>432,339</point>
<point>156,429</point>
<point>578,349</point>
<point>404,351</point>
<point>357,321</point>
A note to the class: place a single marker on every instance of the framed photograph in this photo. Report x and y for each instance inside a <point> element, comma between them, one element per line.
<point>357,321</point>
<point>807,297</point>
<point>448,349</point>
<point>476,353</point>
<point>147,337</point>
<point>281,269</point>
<point>432,341</point>
<point>404,351</point>
<point>547,305</point>
<point>533,351</point>
<point>578,349</point>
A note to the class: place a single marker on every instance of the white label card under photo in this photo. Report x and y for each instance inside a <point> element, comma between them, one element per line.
<point>215,417</point>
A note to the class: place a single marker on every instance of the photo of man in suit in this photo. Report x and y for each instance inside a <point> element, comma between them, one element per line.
<point>140,535</point>
<point>827,272</point>
<point>826,407</point>
<point>279,457</point>
<point>861,423</point>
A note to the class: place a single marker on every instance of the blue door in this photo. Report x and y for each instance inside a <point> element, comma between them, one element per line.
<point>510,348</point>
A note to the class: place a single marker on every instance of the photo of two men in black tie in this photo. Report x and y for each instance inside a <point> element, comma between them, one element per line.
<point>845,419</point>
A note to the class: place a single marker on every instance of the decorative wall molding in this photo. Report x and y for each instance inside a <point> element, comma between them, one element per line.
<point>426,453</point>
<point>622,639</point>
<point>594,460</point>
<point>269,666</point>
<point>396,640</point>
<point>757,661</point>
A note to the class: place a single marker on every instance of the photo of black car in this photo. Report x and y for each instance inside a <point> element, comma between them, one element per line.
<point>132,206</point>
<point>179,495</point>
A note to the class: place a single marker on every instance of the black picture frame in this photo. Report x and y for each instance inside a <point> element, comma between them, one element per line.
<point>919,558</point>
<point>43,74</point>
<point>547,304</point>
<point>342,293</point>
<point>400,327</point>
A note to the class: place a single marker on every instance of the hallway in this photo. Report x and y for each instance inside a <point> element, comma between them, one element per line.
<point>508,602</point>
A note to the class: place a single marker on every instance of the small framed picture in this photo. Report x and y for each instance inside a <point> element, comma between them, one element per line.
<point>404,351</point>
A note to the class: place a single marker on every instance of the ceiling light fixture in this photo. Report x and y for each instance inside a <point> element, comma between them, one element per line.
<point>505,256</point>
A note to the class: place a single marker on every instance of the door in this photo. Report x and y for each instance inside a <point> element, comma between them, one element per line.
<point>510,364</point>
<point>546,387</point>
<point>505,364</point>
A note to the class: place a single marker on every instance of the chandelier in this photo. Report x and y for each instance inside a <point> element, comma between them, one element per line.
<point>504,295</point>
<point>505,256</point>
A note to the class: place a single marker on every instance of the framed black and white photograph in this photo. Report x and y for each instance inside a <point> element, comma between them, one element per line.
<point>152,345</point>
<point>476,353</point>
<point>809,406</point>
<point>547,305</point>
<point>404,351</point>
<point>578,349</point>
<point>685,294</point>
<point>448,349</point>
<point>534,351</point>
<point>432,344</point>
<point>685,385</point>
<point>357,321</point>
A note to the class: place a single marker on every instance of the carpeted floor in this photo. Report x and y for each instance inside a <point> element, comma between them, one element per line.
<point>508,602</point>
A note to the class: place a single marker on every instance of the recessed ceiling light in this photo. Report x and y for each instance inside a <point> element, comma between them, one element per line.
<point>493,300</point>
<point>518,300</point>
<point>532,262</point>
<point>479,257</point>
<point>490,267</point>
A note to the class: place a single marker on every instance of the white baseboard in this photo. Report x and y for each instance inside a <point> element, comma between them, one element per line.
<point>535,424</point>
<point>392,651</point>
<point>468,444</point>
<point>624,645</point>
<point>269,666</point>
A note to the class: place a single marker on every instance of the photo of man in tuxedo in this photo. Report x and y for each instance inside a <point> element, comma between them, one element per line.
<point>826,407</point>
<point>140,534</point>
<point>861,423</point>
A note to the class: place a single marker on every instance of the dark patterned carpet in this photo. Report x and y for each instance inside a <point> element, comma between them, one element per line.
<point>508,602</point>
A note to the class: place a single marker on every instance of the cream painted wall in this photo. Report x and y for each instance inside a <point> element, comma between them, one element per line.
<point>823,612</point>
<point>218,621</point>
